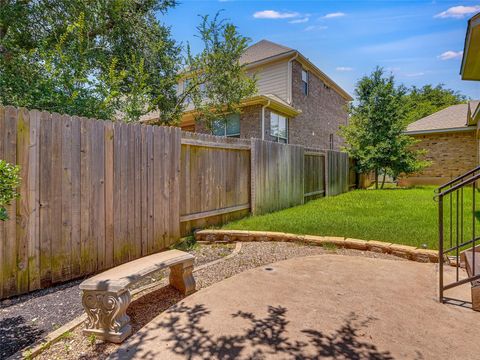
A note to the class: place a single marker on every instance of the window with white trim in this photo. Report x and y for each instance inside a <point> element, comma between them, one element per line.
<point>279,128</point>
<point>305,82</point>
<point>228,126</point>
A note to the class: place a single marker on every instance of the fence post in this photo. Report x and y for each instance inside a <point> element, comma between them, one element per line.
<point>253,209</point>
<point>327,175</point>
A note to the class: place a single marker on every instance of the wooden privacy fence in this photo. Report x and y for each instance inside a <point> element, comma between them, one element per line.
<point>95,194</point>
<point>277,176</point>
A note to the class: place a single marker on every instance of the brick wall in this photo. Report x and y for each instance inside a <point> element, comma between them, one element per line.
<point>323,111</point>
<point>451,154</point>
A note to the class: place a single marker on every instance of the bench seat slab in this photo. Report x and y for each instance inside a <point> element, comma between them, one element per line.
<point>107,317</point>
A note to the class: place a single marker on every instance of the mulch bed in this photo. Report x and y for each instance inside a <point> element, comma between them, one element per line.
<point>152,302</point>
<point>26,319</point>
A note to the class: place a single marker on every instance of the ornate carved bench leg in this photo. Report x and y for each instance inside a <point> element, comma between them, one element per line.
<point>107,317</point>
<point>181,277</point>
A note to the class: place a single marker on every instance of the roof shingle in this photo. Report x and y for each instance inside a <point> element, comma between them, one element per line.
<point>261,50</point>
<point>454,116</point>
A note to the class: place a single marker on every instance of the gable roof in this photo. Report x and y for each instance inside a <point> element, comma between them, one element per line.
<point>266,51</point>
<point>262,50</point>
<point>451,118</point>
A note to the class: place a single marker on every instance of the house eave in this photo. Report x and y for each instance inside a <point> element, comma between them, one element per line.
<point>470,67</point>
<point>188,117</point>
<point>441,131</point>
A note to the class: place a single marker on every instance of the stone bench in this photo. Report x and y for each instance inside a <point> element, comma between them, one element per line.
<point>106,296</point>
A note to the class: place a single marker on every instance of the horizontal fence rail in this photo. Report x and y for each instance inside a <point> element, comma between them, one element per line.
<point>95,194</point>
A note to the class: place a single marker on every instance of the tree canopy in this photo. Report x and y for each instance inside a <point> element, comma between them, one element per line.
<point>428,99</point>
<point>113,59</point>
<point>374,135</point>
<point>90,58</point>
<point>216,80</point>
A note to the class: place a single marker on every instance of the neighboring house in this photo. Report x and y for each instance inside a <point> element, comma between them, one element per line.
<point>296,102</point>
<point>450,138</point>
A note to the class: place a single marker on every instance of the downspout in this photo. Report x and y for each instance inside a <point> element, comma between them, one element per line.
<point>290,79</point>
<point>263,118</point>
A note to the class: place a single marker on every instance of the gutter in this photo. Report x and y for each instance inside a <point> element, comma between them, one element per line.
<point>435,131</point>
<point>263,118</point>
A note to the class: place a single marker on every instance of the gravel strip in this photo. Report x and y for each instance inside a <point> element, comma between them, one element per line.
<point>149,304</point>
<point>26,319</point>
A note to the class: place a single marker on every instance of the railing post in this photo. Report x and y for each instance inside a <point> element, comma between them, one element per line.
<point>440,247</point>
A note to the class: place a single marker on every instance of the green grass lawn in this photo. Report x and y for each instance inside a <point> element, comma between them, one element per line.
<point>403,216</point>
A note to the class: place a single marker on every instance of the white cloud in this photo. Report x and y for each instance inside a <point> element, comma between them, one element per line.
<point>415,74</point>
<point>334,15</point>
<point>447,55</point>
<point>315,27</point>
<point>458,12</point>
<point>394,69</point>
<point>299,21</point>
<point>272,14</point>
<point>344,68</point>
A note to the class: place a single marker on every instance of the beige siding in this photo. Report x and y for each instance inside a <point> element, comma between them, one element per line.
<point>272,79</point>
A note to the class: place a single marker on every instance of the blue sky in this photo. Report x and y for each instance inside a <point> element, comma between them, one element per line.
<point>419,41</point>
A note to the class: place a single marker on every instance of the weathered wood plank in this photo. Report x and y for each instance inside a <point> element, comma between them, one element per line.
<point>109,194</point>
<point>34,202</point>
<point>151,190</point>
<point>137,166</point>
<point>158,188</point>
<point>46,190</point>
<point>58,253</point>
<point>87,247</point>
<point>143,190</point>
<point>9,264</point>
<point>2,223</point>
<point>23,203</point>
<point>66,196</point>
<point>118,256</point>
<point>75,196</point>
<point>97,194</point>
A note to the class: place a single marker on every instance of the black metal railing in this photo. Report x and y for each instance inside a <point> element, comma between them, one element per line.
<point>458,179</point>
<point>457,217</point>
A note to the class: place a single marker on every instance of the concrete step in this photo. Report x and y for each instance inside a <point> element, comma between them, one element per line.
<point>473,269</point>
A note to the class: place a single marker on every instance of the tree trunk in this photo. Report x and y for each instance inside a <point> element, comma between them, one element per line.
<point>383,180</point>
<point>376,179</point>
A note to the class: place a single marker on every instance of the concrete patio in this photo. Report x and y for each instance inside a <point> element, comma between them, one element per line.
<point>325,306</point>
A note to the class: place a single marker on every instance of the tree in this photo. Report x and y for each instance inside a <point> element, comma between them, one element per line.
<point>9,181</point>
<point>217,81</point>
<point>95,58</point>
<point>374,135</point>
<point>426,100</point>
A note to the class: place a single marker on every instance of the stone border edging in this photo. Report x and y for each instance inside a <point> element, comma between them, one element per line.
<point>55,335</point>
<point>403,251</point>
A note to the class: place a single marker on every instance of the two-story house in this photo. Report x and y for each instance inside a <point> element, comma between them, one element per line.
<point>296,102</point>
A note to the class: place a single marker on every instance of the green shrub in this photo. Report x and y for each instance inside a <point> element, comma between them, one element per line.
<point>9,182</point>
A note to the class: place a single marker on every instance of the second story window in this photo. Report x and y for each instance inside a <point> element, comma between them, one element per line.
<point>305,82</point>
<point>279,128</point>
<point>330,142</point>
<point>229,126</point>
